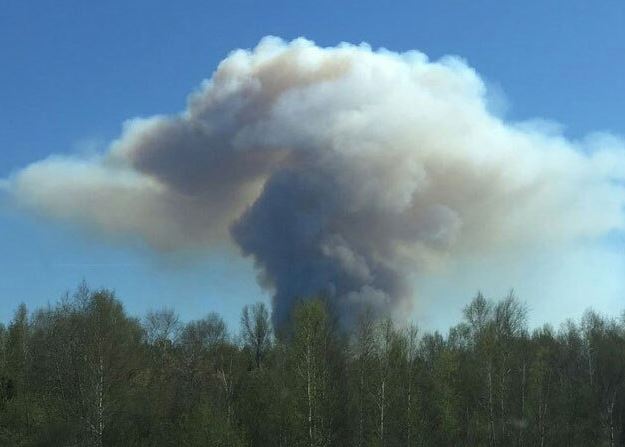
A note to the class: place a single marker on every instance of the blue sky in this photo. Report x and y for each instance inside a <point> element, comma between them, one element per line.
<point>72,72</point>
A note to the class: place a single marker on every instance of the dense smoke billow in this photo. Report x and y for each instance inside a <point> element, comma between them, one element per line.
<point>341,171</point>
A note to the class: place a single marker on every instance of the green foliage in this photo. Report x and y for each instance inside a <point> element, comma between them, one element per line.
<point>84,373</point>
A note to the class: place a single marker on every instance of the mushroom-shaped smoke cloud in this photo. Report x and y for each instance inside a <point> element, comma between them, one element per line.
<point>340,171</point>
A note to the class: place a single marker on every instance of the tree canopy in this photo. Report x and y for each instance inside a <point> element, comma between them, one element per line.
<point>85,373</point>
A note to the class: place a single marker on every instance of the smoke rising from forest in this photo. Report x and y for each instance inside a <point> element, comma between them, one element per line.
<point>341,171</point>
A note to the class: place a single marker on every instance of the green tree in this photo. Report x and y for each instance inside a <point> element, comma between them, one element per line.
<point>315,359</point>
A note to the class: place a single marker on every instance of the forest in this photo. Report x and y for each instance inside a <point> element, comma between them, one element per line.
<point>82,372</point>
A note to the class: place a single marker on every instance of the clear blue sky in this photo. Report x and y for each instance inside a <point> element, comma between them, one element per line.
<point>72,71</point>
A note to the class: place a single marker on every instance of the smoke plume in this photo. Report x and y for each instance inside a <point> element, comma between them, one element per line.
<point>340,171</point>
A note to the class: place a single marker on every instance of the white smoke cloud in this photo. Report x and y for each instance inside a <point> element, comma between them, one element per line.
<point>341,171</point>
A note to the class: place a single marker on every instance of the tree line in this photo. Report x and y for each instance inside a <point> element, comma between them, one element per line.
<point>85,373</point>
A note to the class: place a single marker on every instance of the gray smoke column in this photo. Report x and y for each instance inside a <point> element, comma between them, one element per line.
<point>341,171</point>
